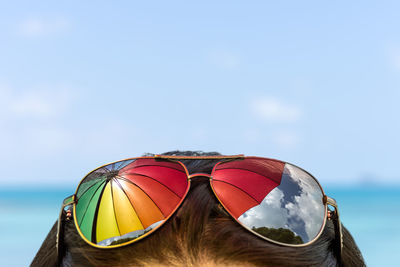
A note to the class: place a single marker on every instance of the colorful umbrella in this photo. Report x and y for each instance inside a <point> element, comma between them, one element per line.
<point>243,184</point>
<point>128,198</point>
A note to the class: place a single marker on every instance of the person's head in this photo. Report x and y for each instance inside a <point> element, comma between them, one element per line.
<point>200,233</point>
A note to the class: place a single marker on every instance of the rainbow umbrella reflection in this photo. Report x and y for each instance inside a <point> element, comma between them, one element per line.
<point>124,200</point>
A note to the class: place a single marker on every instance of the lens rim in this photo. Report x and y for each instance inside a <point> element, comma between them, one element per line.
<point>144,235</point>
<point>257,234</point>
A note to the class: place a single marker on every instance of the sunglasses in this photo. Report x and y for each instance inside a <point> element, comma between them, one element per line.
<point>125,201</point>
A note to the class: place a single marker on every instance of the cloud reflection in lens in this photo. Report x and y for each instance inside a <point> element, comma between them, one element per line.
<point>292,212</point>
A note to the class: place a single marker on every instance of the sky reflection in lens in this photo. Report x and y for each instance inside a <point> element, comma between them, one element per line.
<point>296,204</point>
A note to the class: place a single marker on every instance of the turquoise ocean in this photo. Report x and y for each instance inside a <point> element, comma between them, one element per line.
<point>371,213</point>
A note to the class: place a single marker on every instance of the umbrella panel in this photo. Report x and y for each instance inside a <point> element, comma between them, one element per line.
<point>148,212</point>
<point>106,225</point>
<point>162,196</point>
<point>84,187</point>
<point>151,162</point>
<point>266,167</point>
<point>255,185</point>
<point>235,200</point>
<point>86,209</point>
<point>163,175</point>
<point>127,218</point>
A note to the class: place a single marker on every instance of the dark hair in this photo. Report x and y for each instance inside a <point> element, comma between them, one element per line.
<point>199,232</point>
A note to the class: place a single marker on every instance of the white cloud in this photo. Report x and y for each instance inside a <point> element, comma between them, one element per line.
<point>34,27</point>
<point>286,139</point>
<point>40,127</point>
<point>30,121</point>
<point>35,103</point>
<point>260,215</point>
<point>43,140</point>
<point>225,60</point>
<point>393,55</point>
<point>308,206</point>
<point>252,135</point>
<point>273,110</point>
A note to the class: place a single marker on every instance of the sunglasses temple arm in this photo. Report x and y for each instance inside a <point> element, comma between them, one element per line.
<point>338,228</point>
<point>60,231</point>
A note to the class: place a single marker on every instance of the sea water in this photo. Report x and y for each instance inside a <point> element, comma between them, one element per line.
<point>370,213</point>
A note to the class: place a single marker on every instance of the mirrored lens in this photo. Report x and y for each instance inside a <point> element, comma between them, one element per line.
<point>125,200</point>
<point>274,199</point>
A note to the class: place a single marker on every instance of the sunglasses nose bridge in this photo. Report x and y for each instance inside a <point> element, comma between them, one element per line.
<point>200,174</point>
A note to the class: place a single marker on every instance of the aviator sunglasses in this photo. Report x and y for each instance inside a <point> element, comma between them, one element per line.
<point>125,201</point>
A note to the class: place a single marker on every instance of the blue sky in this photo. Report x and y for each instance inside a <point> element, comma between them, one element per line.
<point>314,83</point>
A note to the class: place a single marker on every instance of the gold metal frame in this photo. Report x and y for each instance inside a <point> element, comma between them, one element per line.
<point>68,201</point>
<point>338,225</point>
<point>326,201</point>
